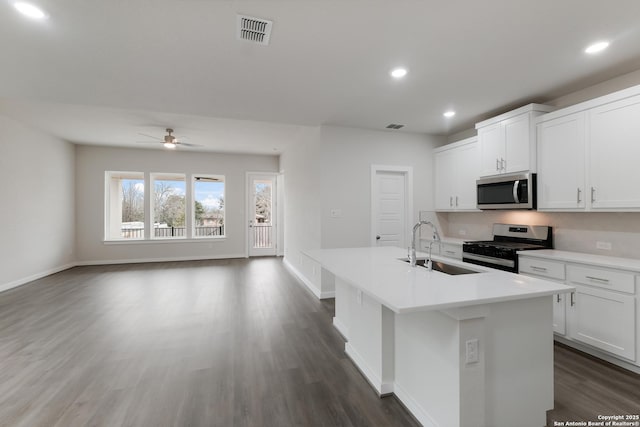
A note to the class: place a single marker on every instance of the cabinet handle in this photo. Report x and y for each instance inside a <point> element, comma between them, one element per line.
<point>497,164</point>
<point>579,191</point>
<point>597,279</point>
<point>503,164</point>
<point>558,297</point>
<point>593,194</point>
<point>533,267</point>
<point>456,201</point>
<point>573,302</point>
<point>450,252</point>
<point>451,201</point>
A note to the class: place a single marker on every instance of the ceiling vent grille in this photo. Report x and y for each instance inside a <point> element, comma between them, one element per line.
<point>394,126</point>
<point>254,30</point>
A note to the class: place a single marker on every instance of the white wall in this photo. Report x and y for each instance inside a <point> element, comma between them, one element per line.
<point>332,169</point>
<point>91,164</point>
<point>37,208</point>
<point>348,154</point>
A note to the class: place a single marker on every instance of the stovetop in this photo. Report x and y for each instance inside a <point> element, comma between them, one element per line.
<point>517,246</point>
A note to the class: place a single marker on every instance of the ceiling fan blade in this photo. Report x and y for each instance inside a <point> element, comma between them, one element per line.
<point>189,145</point>
<point>149,142</point>
<point>152,137</point>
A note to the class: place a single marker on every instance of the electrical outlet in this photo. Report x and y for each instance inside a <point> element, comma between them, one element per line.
<point>471,355</point>
<point>336,213</point>
<point>462,232</point>
<point>606,246</point>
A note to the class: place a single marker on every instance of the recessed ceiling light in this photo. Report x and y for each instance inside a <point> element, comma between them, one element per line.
<point>597,47</point>
<point>398,73</point>
<point>449,113</point>
<point>29,10</point>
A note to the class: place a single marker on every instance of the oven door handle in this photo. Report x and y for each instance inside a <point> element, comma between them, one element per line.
<point>516,185</point>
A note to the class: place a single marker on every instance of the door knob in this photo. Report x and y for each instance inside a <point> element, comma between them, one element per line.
<point>377,237</point>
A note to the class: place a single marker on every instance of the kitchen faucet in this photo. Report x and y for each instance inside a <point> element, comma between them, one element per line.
<point>412,249</point>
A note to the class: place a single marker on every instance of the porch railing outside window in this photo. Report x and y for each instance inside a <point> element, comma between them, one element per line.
<point>138,233</point>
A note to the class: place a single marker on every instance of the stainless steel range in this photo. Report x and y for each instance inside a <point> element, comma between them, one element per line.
<point>500,252</point>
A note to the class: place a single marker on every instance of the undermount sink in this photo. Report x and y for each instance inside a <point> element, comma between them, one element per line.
<point>442,267</point>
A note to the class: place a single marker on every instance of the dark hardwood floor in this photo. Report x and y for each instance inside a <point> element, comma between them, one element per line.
<point>212,343</point>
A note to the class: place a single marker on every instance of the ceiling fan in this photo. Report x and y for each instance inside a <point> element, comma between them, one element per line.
<point>169,140</point>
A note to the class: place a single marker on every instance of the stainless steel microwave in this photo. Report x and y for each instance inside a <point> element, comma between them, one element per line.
<point>507,192</point>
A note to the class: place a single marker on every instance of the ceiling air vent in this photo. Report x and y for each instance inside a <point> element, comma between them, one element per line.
<point>394,126</point>
<point>254,30</point>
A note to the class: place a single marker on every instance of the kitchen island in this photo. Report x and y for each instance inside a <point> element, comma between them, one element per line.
<point>457,350</point>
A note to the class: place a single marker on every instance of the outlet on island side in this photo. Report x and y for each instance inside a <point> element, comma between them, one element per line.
<point>606,246</point>
<point>471,354</point>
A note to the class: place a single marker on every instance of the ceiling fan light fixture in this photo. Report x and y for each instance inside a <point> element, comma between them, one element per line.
<point>29,10</point>
<point>171,145</point>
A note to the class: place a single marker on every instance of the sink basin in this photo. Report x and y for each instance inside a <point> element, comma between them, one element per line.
<point>442,267</point>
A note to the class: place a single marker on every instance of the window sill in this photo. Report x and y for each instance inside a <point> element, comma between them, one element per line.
<point>163,241</point>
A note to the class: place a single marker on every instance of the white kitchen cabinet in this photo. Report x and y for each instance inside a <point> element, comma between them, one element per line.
<point>603,319</point>
<point>600,313</point>
<point>451,250</point>
<point>614,144</point>
<point>588,155</point>
<point>507,143</point>
<point>561,163</point>
<point>548,270</point>
<point>456,172</point>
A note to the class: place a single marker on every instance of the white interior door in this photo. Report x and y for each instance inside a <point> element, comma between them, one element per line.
<point>262,213</point>
<point>389,205</point>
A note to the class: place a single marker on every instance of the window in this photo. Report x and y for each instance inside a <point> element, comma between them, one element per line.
<point>125,205</point>
<point>169,206</point>
<point>208,206</point>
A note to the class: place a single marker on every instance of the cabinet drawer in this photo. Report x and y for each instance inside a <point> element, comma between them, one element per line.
<point>451,250</point>
<point>541,267</point>
<point>602,278</point>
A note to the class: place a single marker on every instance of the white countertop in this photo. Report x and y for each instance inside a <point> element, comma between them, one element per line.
<point>590,259</point>
<point>402,288</point>
<point>450,240</point>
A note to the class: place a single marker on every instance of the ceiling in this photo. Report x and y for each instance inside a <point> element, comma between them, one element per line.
<point>104,71</point>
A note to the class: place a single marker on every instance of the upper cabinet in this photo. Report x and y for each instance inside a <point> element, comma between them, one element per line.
<point>507,142</point>
<point>561,163</point>
<point>456,172</point>
<point>614,152</point>
<point>588,155</point>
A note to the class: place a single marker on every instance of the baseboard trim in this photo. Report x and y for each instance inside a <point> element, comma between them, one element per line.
<point>302,278</point>
<point>166,259</point>
<point>341,328</point>
<point>414,407</point>
<point>382,388</point>
<point>40,275</point>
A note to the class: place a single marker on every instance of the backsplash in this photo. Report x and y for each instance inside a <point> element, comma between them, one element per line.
<point>572,231</point>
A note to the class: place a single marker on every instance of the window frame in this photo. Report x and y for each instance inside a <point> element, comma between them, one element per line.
<point>109,205</point>
<point>166,176</point>
<point>194,178</point>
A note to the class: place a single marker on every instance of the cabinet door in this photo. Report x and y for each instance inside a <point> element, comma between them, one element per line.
<point>604,319</point>
<point>444,179</point>
<point>561,163</point>
<point>517,136</point>
<point>466,171</point>
<point>491,143</point>
<point>559,314</point>
<point>614,143</point>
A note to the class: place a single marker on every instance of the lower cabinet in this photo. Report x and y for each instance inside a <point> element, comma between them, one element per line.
<point>450,250</point>
<point>560,314</point>
<point>600,313</point>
